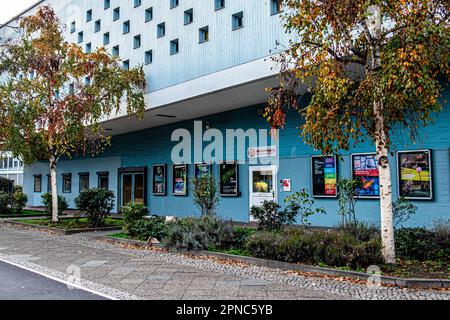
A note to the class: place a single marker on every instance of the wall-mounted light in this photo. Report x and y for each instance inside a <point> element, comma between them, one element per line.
<point>208,125</point>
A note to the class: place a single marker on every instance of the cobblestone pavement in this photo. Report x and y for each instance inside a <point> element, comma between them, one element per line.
<point>123,273</point>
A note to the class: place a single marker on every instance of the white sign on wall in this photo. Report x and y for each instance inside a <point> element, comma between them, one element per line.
<point>262,152</point>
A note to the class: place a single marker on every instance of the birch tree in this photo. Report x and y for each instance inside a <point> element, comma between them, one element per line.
<point>372,67</point>
<point>53,95</point>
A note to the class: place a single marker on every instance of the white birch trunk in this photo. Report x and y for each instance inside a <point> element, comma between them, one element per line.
<point>53,181</point>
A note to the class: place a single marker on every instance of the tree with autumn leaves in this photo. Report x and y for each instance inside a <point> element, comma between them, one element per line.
<point>371,67</point>
<point>53,95</point>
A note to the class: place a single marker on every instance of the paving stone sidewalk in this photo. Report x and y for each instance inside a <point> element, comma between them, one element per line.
<point>123,273</point>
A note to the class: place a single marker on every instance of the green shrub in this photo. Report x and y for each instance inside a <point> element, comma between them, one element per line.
<point>191,233</point>
<point>97,204</point>
<point>147,228</point>
<point>362,231</point>
<point>441,230</point>
<point>270,218</point>
<point>132,213</point>
<point>6,185</point>
<point>301,204</point>
<point>402,210</point>
<point>47,203</point>
<point>414,243</point>
<point>332,248</point>
<point>19,200</point>
<point>206,197</point>
<point>5,201</point>
<point>240,237</point>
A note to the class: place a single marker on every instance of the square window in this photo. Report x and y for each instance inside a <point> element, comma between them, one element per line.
<point>103,180</point>
<point>115,51</point>
<point>89,15</point>
<point>219,4</point>
<point>116,14</point>
<point>188,16</point>
<point>276,6</point>
<point>137,42</point>
<point>137,3</point>
<point>149,57</point>
<point>88,47</point>
<point>73,27</point>
<point>174,46</point>
<point>174,3</point>
<point>98,26</point>
<point>149,14</point>
<point>161,30</point>
<point>80,37</point>
<point>107,4</point>
<point>84,181</point>
<point>126,64</point>
<point>106,38</point>
<point>67,183</point>
<point>203,34</point>
<point>238,20</point>
<point>126,27</point>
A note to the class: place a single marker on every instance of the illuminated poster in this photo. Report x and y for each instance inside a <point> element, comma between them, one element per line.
<point>324,176</point>
<point>159,180</point>
<point>229,179</point>
<point>365,170</point>
<point>415,176</point>
<point>180,179</point>
<point>202,170</point>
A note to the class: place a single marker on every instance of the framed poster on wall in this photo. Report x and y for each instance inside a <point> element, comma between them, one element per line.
<point>180,179</point>
<point>202,170</point>
<point>160,179</point>
<point>229,179</point>
<point>324,176</point>
<point>365,170</point>
<point>415,178</point>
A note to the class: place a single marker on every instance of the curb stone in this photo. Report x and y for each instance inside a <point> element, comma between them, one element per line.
<point>385,280</point>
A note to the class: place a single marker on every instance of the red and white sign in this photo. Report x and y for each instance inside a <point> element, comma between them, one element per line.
<point>262,152</point>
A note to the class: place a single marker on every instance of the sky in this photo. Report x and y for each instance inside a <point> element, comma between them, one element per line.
<point>13,8</point>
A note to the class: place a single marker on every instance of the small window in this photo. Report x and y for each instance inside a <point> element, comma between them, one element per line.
<point>161,30</point>
<point>115,51</point>
<point>106,38</point>
<point>107,4</point>
<point>219,4</point>
<point>137,41</point>
<point>174,3</point>
<point>137,3</point>
<point>149,57</point>
<point>84,181</point>
<point>188,16</point>
<point>88,47</point>
<point>126,27</point>
<point>80,37</point>
<point>98,26</point>
<point>238,20</point>
<point>174,46</point>
<point>276,6</point>
<point>203,34</point>
<point>38,183</point>
<point>67,183</point>
<point>149,14</point>
<point>73,27</point>
<point>126,64</point>
<point>116,14</point>
<point>89,15</point>
<point>103,180</point>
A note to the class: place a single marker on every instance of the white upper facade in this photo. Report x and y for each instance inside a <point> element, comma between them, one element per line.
<point>208,47</point>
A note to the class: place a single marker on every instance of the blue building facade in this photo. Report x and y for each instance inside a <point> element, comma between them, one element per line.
<point>208,65</point>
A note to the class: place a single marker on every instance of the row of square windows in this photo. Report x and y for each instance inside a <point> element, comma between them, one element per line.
<point>237,21</point>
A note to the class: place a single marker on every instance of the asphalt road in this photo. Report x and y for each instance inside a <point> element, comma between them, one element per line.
<point>20,284</point>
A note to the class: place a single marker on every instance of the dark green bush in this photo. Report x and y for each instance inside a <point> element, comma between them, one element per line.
<point>441,230</point>
<point>240,237</point>
<point>191,233</point>
<point>5,201</point>
<point>97,204</point>
<point>47,202</point>
<point>270,217</point>
<point>132,213</point>
<point>332,248</point>
<point>147,228</point>
<point>18,200</point>
<point>414,243</point>
<point>361,230</point>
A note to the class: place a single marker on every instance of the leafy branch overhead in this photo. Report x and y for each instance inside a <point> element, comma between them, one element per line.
<point>347,66</point>
<point>52,91</point>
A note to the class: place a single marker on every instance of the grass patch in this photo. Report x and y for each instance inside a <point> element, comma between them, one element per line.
<point>236,252</point>
<point>25,213</point>
<point>121,235</point>
<point>72,223</point>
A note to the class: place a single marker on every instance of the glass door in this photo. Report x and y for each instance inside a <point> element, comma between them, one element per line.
<point>133,189</point>
<point>263,185</point>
